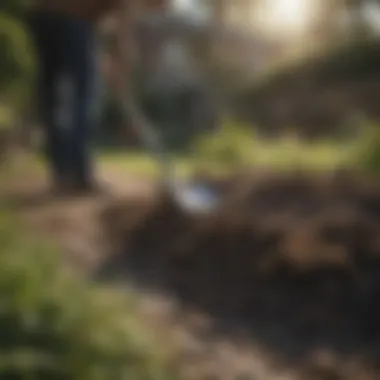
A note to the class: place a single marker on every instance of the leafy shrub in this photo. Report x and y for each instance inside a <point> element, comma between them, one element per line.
<point>233,145</point>
<point>367,150</point>
<point>6,117</point>
<point>54,325</point>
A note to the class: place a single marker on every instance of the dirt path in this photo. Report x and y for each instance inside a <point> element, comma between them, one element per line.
<point>74,224</point>
<point>202,352</point>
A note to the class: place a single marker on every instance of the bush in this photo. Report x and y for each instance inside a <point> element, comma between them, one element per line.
<point>232,146</point>
<point>6,117</point>
<point>367,152</point>
<point>54,325</point>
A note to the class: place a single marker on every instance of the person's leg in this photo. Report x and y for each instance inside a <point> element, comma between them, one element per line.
<point>45,34</point>
<point>81,67</point>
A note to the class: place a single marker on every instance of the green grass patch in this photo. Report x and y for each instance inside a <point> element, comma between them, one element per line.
<point>225,156</point>
<point>289,153</point>
<point>235,147</point>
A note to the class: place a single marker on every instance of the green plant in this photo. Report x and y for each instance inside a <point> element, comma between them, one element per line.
<point>6,117</point>
<point>16,64</point>
<point>233,145</point>
<point>55,325</point>
<point>367,151</point>
<point>16,57</point>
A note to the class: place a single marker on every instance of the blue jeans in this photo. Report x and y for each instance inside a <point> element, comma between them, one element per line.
<point>65,50</point>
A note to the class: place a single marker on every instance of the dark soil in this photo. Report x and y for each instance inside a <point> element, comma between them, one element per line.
<point>291,260</point>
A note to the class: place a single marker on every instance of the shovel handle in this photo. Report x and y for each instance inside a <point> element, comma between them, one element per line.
<point>140,123</point>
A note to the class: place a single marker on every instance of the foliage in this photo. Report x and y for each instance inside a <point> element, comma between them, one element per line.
<point>343,61</point>
<point>367,152</point>
<point>16,59</point>
<point>16,67</point>
<point>13,7</point>
<point>54,325</point>
<point>6,117</point>
<point>237,146</point>
<point>231,146</point>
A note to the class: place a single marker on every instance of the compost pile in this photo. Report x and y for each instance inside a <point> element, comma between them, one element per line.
<point>292,257</point>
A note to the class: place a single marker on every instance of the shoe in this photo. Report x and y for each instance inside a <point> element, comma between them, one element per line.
<point>60,186</point>
<point>86,188</point>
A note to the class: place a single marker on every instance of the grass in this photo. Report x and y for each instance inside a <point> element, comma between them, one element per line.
<point>6,117</point>
<point>234,148</point>
<point>289,153</point>
<point>140,163</point>
<point>283,154</point>
<point>237,146</point>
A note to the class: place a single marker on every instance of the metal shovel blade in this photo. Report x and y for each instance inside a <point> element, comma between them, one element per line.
<point>196,198</point>
<point>193,197</point>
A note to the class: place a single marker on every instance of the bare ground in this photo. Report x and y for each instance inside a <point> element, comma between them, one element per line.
<point>280,284</point>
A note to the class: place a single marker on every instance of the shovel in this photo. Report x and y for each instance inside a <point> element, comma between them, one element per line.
<point>192,197</point>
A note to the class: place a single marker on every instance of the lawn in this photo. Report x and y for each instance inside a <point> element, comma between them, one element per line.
<point>229,151</point>
<point>286,154</point>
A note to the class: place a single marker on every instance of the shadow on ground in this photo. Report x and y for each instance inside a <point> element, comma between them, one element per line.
<point>292,260</point>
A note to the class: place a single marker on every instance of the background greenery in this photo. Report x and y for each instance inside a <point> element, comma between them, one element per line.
<point>16,63</point>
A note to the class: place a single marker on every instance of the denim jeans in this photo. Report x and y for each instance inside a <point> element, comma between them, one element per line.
<point>66,52</point>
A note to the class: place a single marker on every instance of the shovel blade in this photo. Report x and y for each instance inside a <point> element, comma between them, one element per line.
<point>197,198</point>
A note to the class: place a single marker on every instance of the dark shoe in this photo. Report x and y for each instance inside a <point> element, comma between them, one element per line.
<point>60,186</point>
<point>86,188</point>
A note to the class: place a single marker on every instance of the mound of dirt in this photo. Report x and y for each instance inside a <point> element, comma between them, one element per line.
<point>294,258</point>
